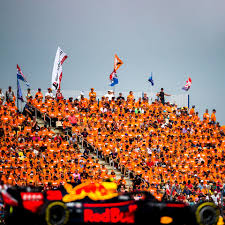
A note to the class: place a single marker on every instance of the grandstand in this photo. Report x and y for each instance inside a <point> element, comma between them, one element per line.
<point>165,149</point>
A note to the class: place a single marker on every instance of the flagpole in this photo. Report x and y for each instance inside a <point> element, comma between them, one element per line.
<point>149,98</point>
<point>151,90</point>
<point>152,94</point>
<point>188,101</point>
<point>114,90</point>
<point>17,94</point>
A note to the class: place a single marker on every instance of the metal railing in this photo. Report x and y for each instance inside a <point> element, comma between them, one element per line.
<point>181,100</point>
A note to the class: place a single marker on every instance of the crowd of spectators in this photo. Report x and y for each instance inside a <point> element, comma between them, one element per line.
<point>37,156</point>
<point>166,150</point>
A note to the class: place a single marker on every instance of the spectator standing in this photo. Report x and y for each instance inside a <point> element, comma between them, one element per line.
<point>9,94</point>
<point>213,116</point>
<point>39,94</point>
<point>2,96</point>
<point>130,97</point>
<point>110,95</point>
<point>59,95</point>
<point>145,98</point>
<point>81,95</point>
<point>192,110</point>
<point>92,94</point>
<point>28,94</point>
<point>162,95</point>
<point>120,97</point>
<point>206,116</point>
<point>49,94</point>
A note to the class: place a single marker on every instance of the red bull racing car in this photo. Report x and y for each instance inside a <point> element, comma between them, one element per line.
<point>99,203</point>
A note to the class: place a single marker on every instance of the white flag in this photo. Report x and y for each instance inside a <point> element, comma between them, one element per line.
<point>57,68</point>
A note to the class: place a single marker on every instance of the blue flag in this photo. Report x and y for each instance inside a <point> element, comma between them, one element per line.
<point>150,79</point>
<point>114,81</point>
<point>19,91</point>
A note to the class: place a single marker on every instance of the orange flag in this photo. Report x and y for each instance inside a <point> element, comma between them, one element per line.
<point>117,62</point>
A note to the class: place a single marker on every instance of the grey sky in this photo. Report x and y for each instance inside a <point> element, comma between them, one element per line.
<point>168,37</point>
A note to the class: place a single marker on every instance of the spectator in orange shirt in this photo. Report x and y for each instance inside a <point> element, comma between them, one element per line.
<point>92,94</point>
<point>192,110</point>
<point>213,116</point>
<point>130,97</point>
<point>206,116</point>
<point>39,94</point>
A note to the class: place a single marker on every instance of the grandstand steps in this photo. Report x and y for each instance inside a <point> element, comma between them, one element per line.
<point>41,123</point>
<point>110,168</point>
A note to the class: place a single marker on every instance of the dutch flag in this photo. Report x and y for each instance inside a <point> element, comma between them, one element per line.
<point>113,78</point>
<point>20,76</point>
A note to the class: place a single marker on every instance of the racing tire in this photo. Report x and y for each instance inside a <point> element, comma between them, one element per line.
<point>56,213</point>
<point>207,213</point>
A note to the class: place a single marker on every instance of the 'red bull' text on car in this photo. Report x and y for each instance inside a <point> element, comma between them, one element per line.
<point>96,203</point>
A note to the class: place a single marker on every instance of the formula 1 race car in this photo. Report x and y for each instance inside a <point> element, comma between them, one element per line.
<point>99,203</point>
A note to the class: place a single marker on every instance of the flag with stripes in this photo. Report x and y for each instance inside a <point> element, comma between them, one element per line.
<point>20,76</point>
<point>113,78</point>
